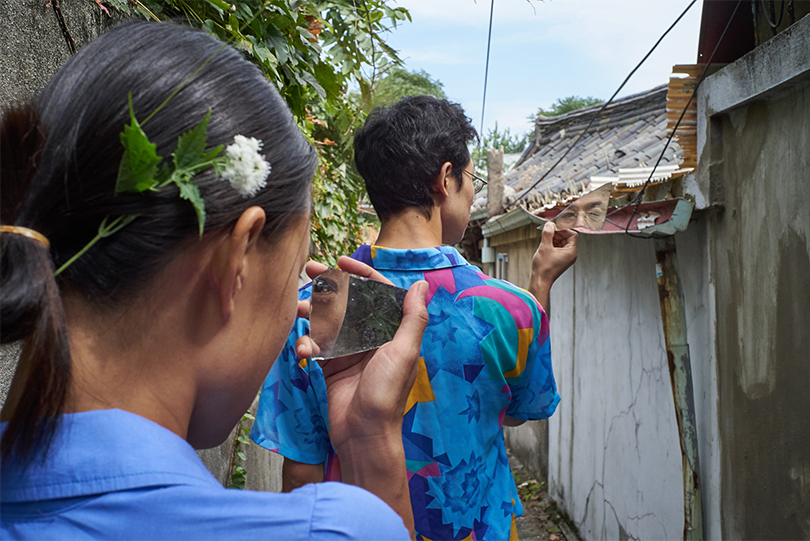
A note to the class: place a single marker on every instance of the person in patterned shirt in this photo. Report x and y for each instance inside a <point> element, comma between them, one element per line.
<point>485,359</point>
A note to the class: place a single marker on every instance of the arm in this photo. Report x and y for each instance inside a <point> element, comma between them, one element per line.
<point>297,474</point>
<point>557,252</point>
<point>367,394</point>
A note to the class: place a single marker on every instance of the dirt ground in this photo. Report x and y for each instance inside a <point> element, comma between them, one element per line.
<point>541,520</point>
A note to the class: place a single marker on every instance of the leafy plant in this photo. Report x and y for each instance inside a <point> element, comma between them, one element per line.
<point>398,83</point>
<point>566,105</point>
<point>239,458</point>
<point>511,143</point>
<point>313,52</point>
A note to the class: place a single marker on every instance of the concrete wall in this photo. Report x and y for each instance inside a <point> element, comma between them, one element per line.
<point>614,462</point>
<point>744,262</point>
<point>33,47</point>
<point>756,145</point>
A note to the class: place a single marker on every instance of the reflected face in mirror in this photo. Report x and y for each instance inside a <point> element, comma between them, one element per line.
<point>330,294</point>
<point>587,212</point>
<point>350,314</point>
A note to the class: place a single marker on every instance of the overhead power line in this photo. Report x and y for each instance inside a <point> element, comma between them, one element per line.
<point>599,112</point>
<point>486,69</point>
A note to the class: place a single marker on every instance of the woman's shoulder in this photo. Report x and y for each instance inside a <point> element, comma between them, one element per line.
<point>358,513</point>
<point>313,511</point>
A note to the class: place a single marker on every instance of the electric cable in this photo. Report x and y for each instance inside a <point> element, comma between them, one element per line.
<point>767,17</point>
<point>486,69</point>
<point>599,112</point>
<point>638,198</point>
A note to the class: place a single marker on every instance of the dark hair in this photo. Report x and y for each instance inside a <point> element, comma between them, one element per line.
<point>59,165</point>
<point>401,149</point>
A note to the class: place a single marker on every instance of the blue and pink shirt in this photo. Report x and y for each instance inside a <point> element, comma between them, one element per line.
<point>485,355</point>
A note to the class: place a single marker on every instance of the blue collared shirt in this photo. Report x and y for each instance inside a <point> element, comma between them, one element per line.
<point>112,474</point>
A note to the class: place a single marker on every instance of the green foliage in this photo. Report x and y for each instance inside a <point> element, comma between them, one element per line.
<point>238,471</point>
<point>139,173</point>
<point>398,83</point>
<point>312,52</point>
<point>511,143</point>
<point>566,105</point>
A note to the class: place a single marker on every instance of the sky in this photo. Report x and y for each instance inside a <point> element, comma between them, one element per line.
<point>542,50</point>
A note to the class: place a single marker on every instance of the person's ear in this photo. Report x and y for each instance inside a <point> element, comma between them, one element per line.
<point>441,185</point>
<point>230,265</point>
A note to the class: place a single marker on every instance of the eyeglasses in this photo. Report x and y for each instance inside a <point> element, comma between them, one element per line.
<point>478,182</point>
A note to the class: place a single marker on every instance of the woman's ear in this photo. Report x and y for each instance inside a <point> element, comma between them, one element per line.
<point>441,185</point>
<point>231,259</point>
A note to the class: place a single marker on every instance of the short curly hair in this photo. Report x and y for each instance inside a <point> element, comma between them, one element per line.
<point>401,149</point>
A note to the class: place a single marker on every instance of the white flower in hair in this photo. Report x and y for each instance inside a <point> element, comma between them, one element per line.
<point>246,169</point>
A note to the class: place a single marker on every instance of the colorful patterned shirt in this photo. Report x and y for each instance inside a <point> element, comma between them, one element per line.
<point>485,355</point>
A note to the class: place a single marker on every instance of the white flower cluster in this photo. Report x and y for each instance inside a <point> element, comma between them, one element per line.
<point>246,169</point>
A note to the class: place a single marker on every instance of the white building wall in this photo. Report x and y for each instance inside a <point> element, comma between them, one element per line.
<point>614,452</point>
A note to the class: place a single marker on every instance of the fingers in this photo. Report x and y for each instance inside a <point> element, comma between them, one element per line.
<point>314,268</point>
<point>408,338</point>
<point>567,238</point>
<point>303,309</point>
<point>547,236</point>
<point>361,269</point>
<point>305,347</point>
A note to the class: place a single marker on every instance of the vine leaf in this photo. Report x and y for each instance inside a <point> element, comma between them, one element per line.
<point>190,192</point>
<point>191,145</point>
<point>138,167</point>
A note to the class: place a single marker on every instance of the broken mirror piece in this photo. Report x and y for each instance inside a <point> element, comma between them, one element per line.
<point>349,314</point>
<point>587,213</point>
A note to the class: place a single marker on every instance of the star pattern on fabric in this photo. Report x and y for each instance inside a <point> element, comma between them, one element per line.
<point>460,485</point>
<point>473,410</point>
<point>438,319</point>
<point>460,492</point>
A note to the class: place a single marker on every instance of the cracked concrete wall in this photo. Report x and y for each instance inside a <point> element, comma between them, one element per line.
<point>614,455</point>
<point>611,449</point>
<point>32,46</point>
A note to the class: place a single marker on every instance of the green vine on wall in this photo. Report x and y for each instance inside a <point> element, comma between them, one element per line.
<point>314,52</point>
<point>238,474</point>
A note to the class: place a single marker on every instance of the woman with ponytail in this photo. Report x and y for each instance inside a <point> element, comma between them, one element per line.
<point>154,221</point>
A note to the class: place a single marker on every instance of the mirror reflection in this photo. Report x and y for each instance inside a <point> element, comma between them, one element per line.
<point>350,314</point>
<point>588,213</point>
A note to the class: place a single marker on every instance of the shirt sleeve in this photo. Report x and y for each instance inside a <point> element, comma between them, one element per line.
<point>534,391</point>
<point>291,418</point>
<point>347,512</point>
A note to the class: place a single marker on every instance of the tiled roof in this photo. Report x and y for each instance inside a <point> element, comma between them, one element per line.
<point>630,132</point>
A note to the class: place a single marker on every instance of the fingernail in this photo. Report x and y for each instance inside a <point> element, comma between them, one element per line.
<point>422,289</point>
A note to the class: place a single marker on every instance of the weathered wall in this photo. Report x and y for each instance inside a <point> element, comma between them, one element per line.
<point>754,140</point>
<point>762,261</point>
<point>33,47</point>
<point>614,462</point>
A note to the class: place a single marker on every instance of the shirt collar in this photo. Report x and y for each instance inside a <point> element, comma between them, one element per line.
<point>420,259</point>
<point>102,451</point>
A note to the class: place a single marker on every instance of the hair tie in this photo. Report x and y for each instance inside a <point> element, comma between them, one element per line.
<point>25,232</point>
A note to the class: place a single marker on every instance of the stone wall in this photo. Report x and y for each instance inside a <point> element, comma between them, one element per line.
<point>33,46</point>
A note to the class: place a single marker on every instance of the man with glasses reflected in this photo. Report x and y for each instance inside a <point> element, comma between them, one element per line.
<point>485,357</point>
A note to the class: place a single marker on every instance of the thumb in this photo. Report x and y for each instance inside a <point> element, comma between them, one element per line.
<point>548,233</point>
<point>408,338</point>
